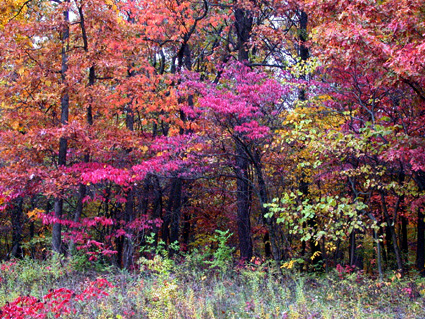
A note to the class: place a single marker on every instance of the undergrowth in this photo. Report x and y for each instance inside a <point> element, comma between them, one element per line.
<point>194,286</point>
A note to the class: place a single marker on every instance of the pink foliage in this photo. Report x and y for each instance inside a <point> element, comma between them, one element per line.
<point>243,99</point>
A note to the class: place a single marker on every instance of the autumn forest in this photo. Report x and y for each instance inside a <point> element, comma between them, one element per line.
<point>294,129</point>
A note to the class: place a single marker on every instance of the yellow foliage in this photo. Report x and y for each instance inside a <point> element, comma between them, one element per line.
<point>35,213</point>
<point>11,9</point>
<point>289,264</point>
<point>316,254</point>
<point>318,117</point>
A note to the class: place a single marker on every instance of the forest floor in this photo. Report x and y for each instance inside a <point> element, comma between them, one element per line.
<point>164,288</point>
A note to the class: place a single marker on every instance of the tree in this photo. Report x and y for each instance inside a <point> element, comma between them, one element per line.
<point>372,64</point>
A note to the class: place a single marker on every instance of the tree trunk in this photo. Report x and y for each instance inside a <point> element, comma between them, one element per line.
<point>186,229</point>
<point>82,189</point>
<point>129,213</point>
<point>17,228</point>
<point>271,243</point>
<point>243,204</point>
<point>420,242</point>
<point>389,244</point>
<point>420,246</point>
<point>57,230</point>
<point>63,142</point>
<point>404,242</point>
<point>378,247</point>
<point>267,245</point>
<point>314,247</point>
<point>392,232</point>
<point>157,203</point>
<point>129,239</point>
<point>243,28</point>
<point>176,213</point>
<point>170,226</point>
<point>171,222</point>
<point>378,252</point>
<point>303,53</point>
<point>353,248</point>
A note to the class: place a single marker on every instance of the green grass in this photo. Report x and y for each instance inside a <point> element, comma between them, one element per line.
<point>165,289</point>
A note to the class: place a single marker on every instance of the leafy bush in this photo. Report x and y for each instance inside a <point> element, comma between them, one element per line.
<point>223,255</point>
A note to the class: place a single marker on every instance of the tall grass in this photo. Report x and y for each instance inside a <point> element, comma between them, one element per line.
<point>165,288</point>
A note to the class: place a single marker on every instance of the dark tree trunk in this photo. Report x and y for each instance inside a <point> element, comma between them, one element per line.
<point>63,142</point>
<point>420,243</point>
<point>389,244</point>
<point>170,226</point>
<point>129,239</point>
<point>57,230</point>
<point>378,252</point>
<point>171,222</point>
<point>267,246</point>
<point>243,28</point>
<point>353,248</point>
<point>404,242</point>
<point>144,197</point>
<point>17,229</point>
<point>157,203</point>
<point>304,53</point>
<point>186,229</point>
<point>378,247</point>
<point>32,233</point>
<point>271,243</point>
<point>82,189</point>
<point>392,232</point>
<point>404,221</point>
<point>165,229</point>
<point>384,252</point>
<point>176,212</point>
<point>303,244</point>
<point>314,248</point>
<point>120,249</point>
<point>355,257</point>
<point>129,213</point>
<point>243,204</point>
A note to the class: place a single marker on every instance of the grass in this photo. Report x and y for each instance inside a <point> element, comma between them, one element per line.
<point>167,289</point>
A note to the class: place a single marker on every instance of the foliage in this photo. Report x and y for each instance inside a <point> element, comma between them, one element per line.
<point>133,132</point>
<point>342,216</point>
<point>263,292</point>
<point>223,255</point>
